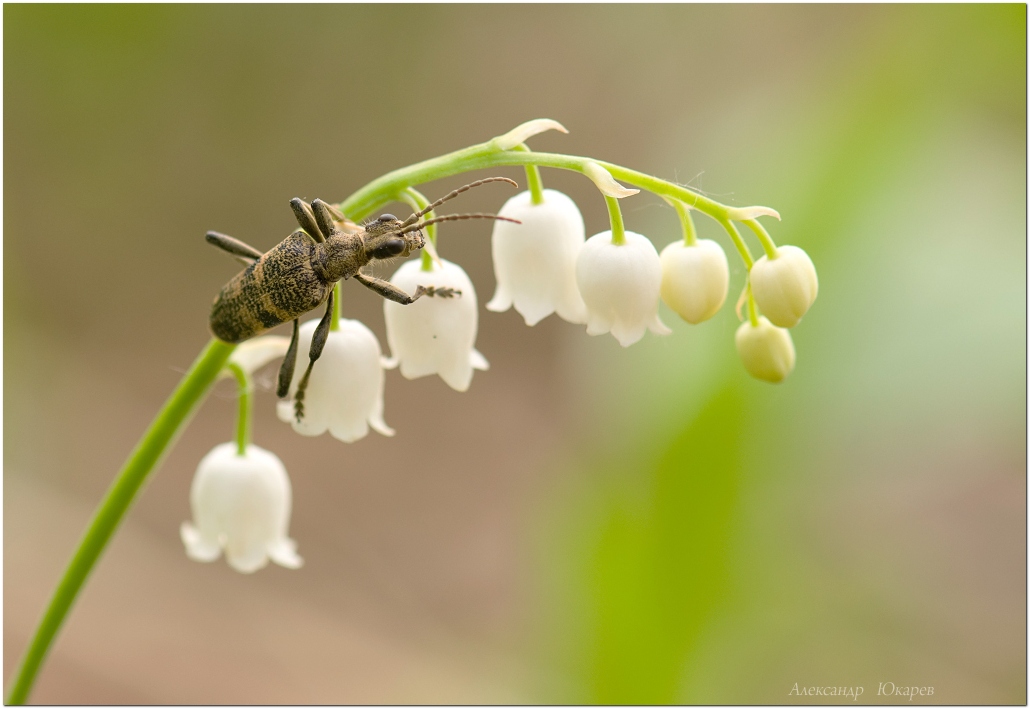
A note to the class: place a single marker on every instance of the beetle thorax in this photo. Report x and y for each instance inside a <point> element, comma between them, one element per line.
<point>340,256</point>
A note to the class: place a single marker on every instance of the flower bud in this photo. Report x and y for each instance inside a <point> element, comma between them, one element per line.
<point>766,350</point>
<point>535,261</point>
<point>434,335</point>
<point>620,285</point>
<point>695,279</point>
<point>784,287</point>
<point>241,503</point>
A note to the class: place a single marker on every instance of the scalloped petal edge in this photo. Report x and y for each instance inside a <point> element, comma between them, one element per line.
<point>606,183</point>
<point>521,133</point>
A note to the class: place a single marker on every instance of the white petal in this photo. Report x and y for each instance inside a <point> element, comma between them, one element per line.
<point>246,559</point>
<point>695,279</point>
<point>433,335</point>
<point>478,361</point>
<point>784,287</point>
<point>345,389</point>
<point>255,353</point>
<point>198,548</point>
<point>284,552</point>
<point>239,502</point>
<point>535,261</point>
<point>620,286</point>
<point>521,133</point>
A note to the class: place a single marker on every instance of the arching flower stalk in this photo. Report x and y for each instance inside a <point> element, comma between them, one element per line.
<point>241,500</point>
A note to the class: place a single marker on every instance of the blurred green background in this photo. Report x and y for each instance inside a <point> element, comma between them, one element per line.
<point>587,523</point>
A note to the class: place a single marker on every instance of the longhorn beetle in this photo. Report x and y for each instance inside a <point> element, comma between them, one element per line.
<point>299,274</point>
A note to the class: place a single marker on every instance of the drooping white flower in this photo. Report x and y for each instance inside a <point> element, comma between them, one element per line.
<point>535,261</point>
<point>434,335</point>
<point>620,285</point>
<point>767,351</point>
<point>241,504</point>
<point>345,391</point>
<point>784,287</point>
<point>695,279</point>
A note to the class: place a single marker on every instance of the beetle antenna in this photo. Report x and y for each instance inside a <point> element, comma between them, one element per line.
<point>454,218</point>
<point>451,195</point>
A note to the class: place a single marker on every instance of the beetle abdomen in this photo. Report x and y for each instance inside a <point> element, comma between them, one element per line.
<point>279,287</point>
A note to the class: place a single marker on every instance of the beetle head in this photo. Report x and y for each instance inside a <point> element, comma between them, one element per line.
<point>387,238</point>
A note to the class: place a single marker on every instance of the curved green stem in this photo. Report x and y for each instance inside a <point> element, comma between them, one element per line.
<point>615,217</point>
<point>533,179</point>
<point>151,448</point>
<point>243,416</point>
<point>689,231</point>
<point>478,157</point>
<point>767,242</point>
<point>417,201</point>
<point>487,155</point>
<point>752,308</point>
<point>738,241</point>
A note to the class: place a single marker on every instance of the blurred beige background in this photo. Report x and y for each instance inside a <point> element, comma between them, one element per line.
<point>587,523</point>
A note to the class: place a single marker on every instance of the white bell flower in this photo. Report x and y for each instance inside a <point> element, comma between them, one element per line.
<point>241,503</point>
<point>767,351</point>
<point>535,261</point>
<point>345,391</point>
<point>786,286</point>
<point>620,285</point>
<point>695,279</point>
<point>434,335</point>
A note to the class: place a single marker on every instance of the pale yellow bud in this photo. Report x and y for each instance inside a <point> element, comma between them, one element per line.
<point>784,287</point>
<point>766,350</point>
<point>695,279</point>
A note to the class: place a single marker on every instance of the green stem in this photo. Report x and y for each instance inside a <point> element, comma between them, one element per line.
<point>536,184</point>
<point>615,217</point>
<point>417,201</point>
<point>767,242</point>
<point>738,241</point>
<point>689,232</point>
<point>243,417</point>
<point>155,442</point>
<point>337,307</point>
<point>478,157</point>
<point>752,308</point>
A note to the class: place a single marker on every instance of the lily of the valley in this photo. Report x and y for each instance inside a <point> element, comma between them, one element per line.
<point>695,279</point>
<point>434,335</point>
<point>241,505</point>
<point>345,392</point>
<point>620,284</point>
<point>767,351</point>
<point>786,286</point>
<point>535,261</point>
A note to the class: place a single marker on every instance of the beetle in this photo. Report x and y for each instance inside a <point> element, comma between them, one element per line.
<point>300,272</point>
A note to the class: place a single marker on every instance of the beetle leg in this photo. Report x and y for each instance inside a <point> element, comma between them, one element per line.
<point>392,292</point>
<point>323,217</point>
<point>306,219</point>
<point>245,252</point>
<point>318,341</point>
<point>289,363</point>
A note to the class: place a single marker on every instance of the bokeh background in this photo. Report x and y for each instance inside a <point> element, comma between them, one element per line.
<point>588,523</point>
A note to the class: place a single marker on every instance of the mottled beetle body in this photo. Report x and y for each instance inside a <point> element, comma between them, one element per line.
<point>246,306</point>
<point>298,274</point>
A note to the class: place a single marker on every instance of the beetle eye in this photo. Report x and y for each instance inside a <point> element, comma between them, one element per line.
<point>390,248</point>
<point>387,218</point>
